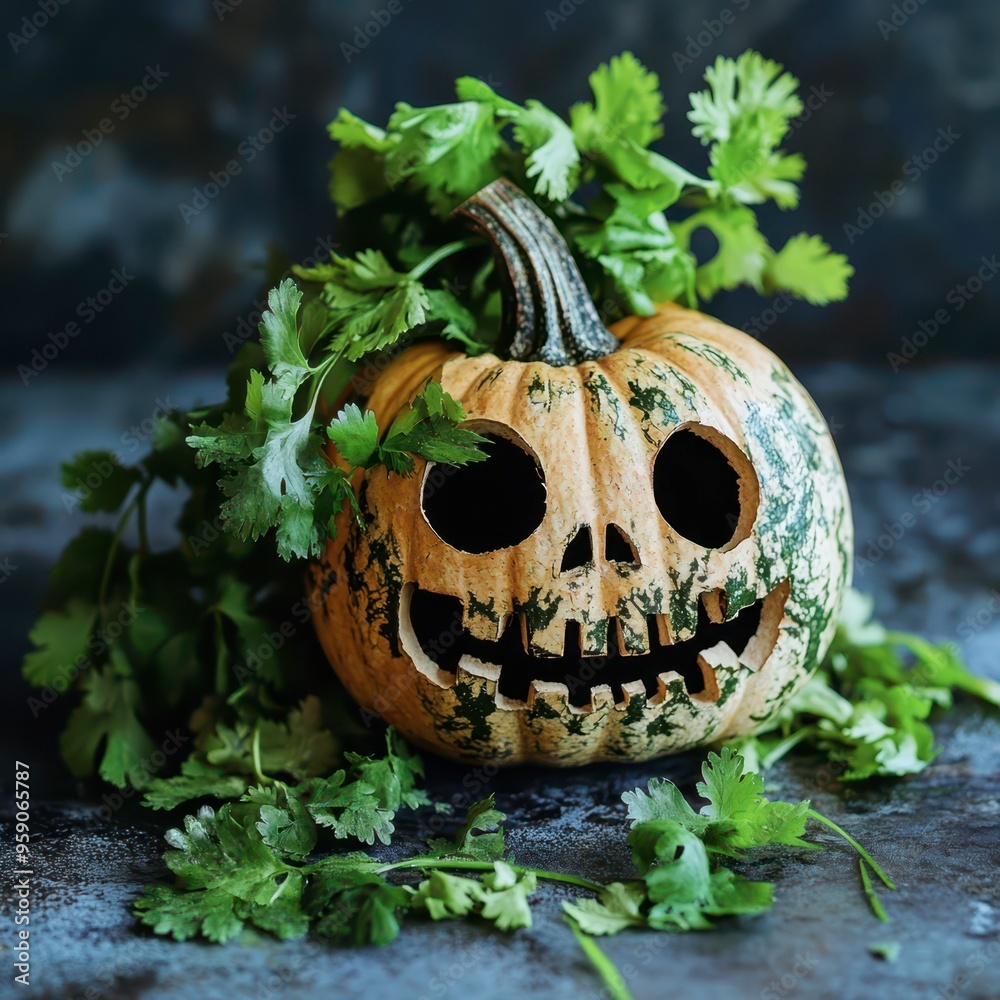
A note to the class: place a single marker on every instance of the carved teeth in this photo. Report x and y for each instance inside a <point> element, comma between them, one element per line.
<point>653,659</point>
<point>522,619</point>
<point>552,693</point>
<point>469,666</point>
<point>716,605</point>
<point>631,634</point>
<point>594,638</point>
<point>662,629</point>
<point>550,640</point>
<point>669,684</point>
<point>601,697</point>
<point>633,689</point>
<point>505,620</point>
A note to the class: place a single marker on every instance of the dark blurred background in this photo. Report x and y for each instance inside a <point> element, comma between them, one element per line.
<point>887,81</point>
<point>113,114</point>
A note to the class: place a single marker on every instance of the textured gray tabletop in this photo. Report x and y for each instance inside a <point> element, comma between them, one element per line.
<point>938,833</point>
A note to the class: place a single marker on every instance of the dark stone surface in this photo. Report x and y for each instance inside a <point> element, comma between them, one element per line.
<point>937,833</point>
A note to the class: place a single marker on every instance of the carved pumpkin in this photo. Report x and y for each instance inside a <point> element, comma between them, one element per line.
<point>652,557</point>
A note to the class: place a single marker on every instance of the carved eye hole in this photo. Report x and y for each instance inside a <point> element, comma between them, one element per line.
<point>705,487</point>
<point>489,505</point>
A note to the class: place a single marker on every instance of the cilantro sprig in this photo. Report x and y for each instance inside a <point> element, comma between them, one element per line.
<point>432,159</point>
<point>275,471</point>
<point>252,863</point>
<point>868,705</point>
<point>683,856</point>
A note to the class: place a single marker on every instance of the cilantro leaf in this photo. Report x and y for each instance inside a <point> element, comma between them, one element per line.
<point>742,253</point>
<point>480,837</point>
<point>446,896</point>
<point>184,915</point>
<point>805,267</point>
<point>428,428</point>
<point>279,333</point>
<point>394,776</point>
<point>867,707</point>
<point>284,824</point>
<point>351,902</point>
<point>101,481</point>
<point>106,726</point>
<point>230,876</point>
<point>627,105</point>
<point>448,149</point>
<point>61,642</point>
<point>506,900</point>
<point>349,808</point>
<point>356,435</point>
<point>196,780</point>
<point>617,907</point>
<point>736,798</point>
<point>744,116</point>
<point>370,303</point>
<point>546,140</point>
<point>501,896</point>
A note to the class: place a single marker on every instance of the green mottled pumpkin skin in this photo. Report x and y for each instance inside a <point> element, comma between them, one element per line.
<point>596,429</point>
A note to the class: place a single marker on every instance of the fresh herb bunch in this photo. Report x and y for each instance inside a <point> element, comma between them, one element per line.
<point>867,706</point>
<point>252,862</point>
<point>411,272</point>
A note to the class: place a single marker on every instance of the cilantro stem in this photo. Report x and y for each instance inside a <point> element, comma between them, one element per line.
<point>141,519</point>
<point>255,753</point>
<point>221,675</point>
<point>876,904</point>
<point>606,969</point>
<point>820,818</point>
<point>102,591</point>
<point>487,866</point>
<point>440,254</point>
<point>785,746</point>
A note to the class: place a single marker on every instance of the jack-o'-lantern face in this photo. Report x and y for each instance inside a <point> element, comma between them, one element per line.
<point>650,557</point>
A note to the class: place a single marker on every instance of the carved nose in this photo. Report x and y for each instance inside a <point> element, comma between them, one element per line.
<point>580,551</point>
<point>618,548</point>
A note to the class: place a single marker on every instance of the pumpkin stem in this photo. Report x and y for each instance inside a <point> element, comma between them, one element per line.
<point>548,314</point>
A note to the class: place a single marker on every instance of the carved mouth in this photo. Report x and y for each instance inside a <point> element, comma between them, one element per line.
<point>433,636</point>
